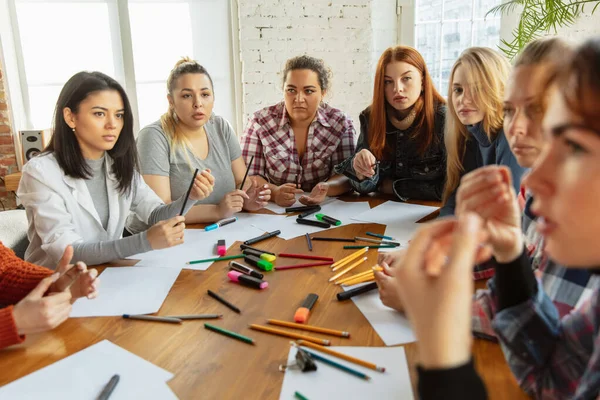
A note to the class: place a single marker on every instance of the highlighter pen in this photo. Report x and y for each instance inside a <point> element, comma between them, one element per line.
<point>311,222</point>
<point>220,223</point>
<point>258,263</point>
<point>329,220</point>
<point>263,256</point>
<point>302,313</point>
<point>262,237</point>
<point>245,270</point>
<point>221,247</point>
<point>246,280</point>
<point>245,246</point>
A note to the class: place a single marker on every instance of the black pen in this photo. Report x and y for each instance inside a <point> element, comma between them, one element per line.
<point>309,212</point>
<point>262,237</point>
<point>109,388</point>
<point>246,174</point>
<point>245,246</point>
<point>187,195</point>
<point>223,301</point>
<point>312,223</point>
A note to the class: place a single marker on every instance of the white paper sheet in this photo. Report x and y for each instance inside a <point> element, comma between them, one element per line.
<point>391,326</point>
<point>128,290</point>
<point>83,375</point>
<point>330,383</point>
<point>281,210</point>
<point>341,210</point>
<point>199,244</point>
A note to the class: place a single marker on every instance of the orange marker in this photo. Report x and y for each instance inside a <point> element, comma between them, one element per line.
<point>301,315</point>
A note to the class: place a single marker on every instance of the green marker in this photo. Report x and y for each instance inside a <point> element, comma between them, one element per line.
<point>329,220</point>
<point>384,246</point>
<point>258,263</point>
<point>225,332</point>
<point>300,396</point>
<point>216,259</point>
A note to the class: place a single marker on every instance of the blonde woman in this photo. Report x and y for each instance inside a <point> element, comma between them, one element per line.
<point>474,136</point>
<point>190,136</point>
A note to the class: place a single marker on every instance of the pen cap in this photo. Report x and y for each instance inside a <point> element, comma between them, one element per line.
<point>221,247</point>
<point>302,313</point>
<point>247,280</point>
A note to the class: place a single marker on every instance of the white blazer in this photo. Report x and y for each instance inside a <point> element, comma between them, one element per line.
<point>60,209</point>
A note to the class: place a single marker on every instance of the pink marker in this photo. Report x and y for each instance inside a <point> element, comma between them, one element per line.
<point>221,247</point>
<point>247,280</point>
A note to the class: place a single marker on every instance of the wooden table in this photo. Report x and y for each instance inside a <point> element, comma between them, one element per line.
<point>211,366</point>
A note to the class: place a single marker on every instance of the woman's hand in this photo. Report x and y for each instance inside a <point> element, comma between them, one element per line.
<point>317,195</point>
<point>364,164</point>
<point>285,195</point>
<point>80,281</point>
<point>203,185</point>
<point>167,233</point>
<point>258,196</point>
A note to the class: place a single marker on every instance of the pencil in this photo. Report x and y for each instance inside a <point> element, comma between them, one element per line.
<point>383,246</point>
<point>377,235</point>
<point>317,264</point>
<point>351,267</point>
<point>153,318</point>
<point>379,241</point>
<point>346,263</point>
<point>225,258</point>
<point>368,278</point>
<point>360,275</point>
<point>343,356</point>
<point>308,242</point>
<point>349,258</point>
<point>197,316</point>
<point>246,174</point>
<point>310,328</point>
<point>305,257</point>
<point>187,195</point>
<point>338,365</point>
<point>223,301</point>
<point>231,334</point>
<point>279,332</point>
<point>328,239</point>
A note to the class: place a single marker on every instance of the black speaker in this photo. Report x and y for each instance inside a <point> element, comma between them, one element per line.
<point>33,142</point>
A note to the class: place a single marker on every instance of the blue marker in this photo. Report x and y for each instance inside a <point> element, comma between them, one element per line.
<point>220,223</point>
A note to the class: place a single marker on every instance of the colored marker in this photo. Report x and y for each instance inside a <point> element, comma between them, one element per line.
<point>109,388</point>
<point>300,208</point>
<point>245,246</point>
<point>329,220</point>
<point>302,313</point>
<point>231,334</point>
<point>216,259</point>
<point>309,212</point>
<point>220,223</point>
<point>312,223</point>
<point>263,256</point>
<point>377,235</point>
<point>258,263</point>
<point>342,296</point>
<point>221,247</point>
<point>308,242</point>
<point>246,280</point>
<point>223,301</point>
<point>245,270</point>
<point>262,237</point>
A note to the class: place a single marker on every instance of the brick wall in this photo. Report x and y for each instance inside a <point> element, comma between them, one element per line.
<point>8,160</point>
<point>339,32</point>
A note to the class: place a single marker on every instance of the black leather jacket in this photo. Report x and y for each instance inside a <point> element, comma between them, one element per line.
<point>415,176</point>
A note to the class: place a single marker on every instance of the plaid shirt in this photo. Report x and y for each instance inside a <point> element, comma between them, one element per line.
<point>567,288</point>
<point>552,357</point>
<point>270,139</point>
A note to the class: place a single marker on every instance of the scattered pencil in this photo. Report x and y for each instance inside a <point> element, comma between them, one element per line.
<point>328,239</point>
<point>378,241</point>
<point>197,316</point>
<point>214,259</point>
<point>308,242</point>
<point>153,318</point>
<point>337,365</point>
<point>349,258</point>
<point>305,257</point>
<point>300,396</point>
<point>347,269</point>
<point>360,275</point>
<point>307,265</point>
<point>343,356</point>
<point>325,331</point>
<point>280,332</point>
<point>383,246</point>
<point>223,301</point>
<point>231,334</point>
<point>380,236</point>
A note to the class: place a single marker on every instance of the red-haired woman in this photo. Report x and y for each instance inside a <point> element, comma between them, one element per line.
<point>401,148</point>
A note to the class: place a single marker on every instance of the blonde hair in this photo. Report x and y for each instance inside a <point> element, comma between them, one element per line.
<point>486,71</point>
<point>169,120</point>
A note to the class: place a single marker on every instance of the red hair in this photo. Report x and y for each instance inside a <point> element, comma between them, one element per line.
<point>430,98</point>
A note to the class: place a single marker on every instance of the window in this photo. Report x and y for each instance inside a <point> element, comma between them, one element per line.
<point>137,42</point>
<point>444,28</point>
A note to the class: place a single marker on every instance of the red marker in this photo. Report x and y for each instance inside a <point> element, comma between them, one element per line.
<point>303,312</point>
<point>221,247</point>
